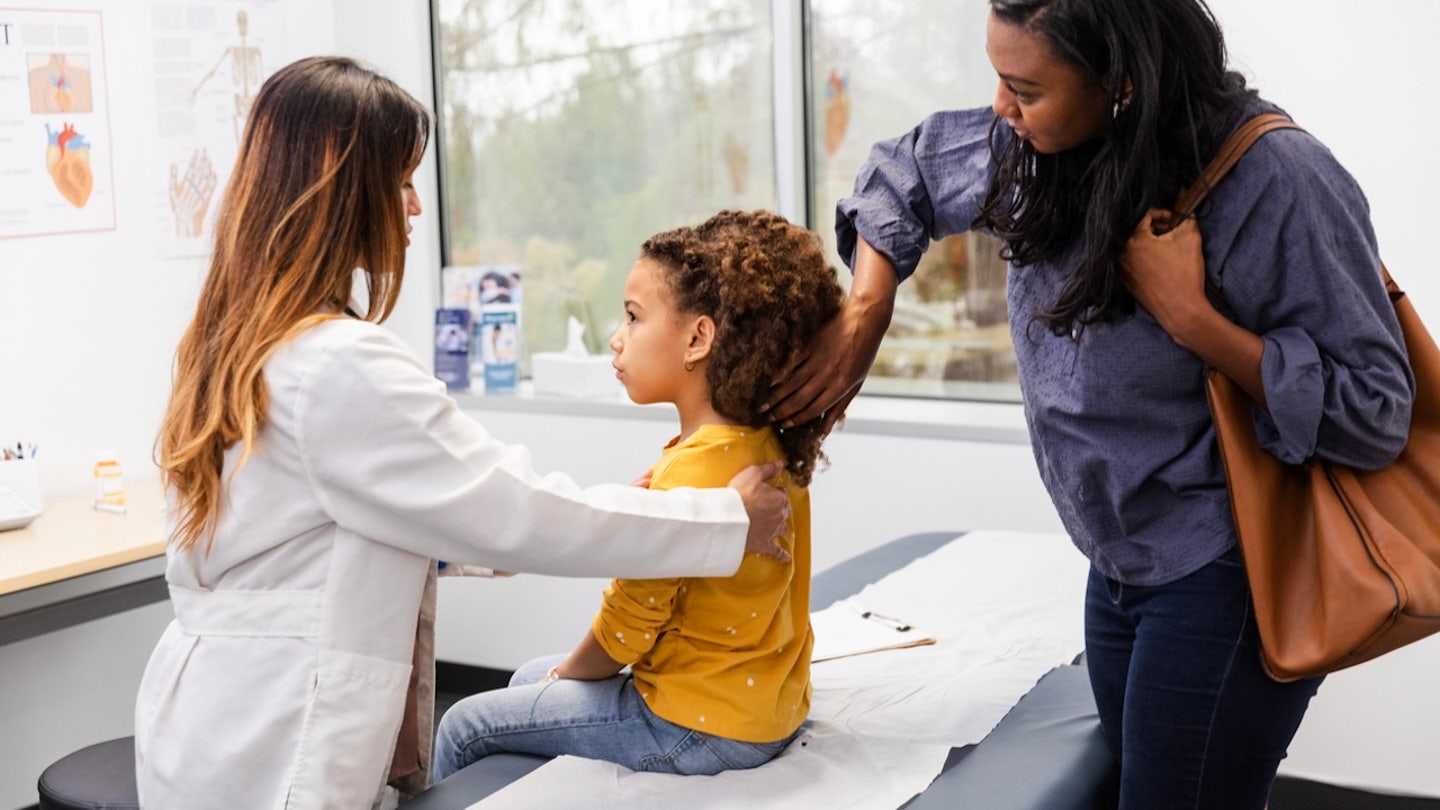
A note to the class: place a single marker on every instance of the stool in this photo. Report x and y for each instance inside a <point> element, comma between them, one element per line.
<point>97,777</point>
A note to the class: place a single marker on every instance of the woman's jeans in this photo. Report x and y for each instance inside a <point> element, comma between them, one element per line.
<point>596,719</point>
<point>1184,703</point>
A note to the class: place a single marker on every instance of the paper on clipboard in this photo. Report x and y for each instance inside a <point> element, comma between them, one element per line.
<point>848,628</point>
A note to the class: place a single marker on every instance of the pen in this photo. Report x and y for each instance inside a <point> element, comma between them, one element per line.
<point>110,507</point>
<point>893,622</point>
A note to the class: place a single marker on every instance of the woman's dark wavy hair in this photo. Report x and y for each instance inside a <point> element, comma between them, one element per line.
<point>767,286</point>
<point>1172,53</point>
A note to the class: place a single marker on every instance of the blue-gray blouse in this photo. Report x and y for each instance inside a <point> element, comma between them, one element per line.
<point>1117,415</point>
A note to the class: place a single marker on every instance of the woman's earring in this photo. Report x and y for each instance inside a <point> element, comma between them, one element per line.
<point>689,366</point>
<point>1120,105</point>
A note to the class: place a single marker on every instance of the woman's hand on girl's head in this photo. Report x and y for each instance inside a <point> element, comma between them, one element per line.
<point>1164,269</point>
<point>828,375</point>
<point>767,506</point>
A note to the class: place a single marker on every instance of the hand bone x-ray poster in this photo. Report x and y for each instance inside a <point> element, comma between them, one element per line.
<point>209,59</point>
<point>55,147</point>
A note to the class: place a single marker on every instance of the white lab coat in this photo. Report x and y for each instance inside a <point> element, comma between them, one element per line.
<point>282,680</point>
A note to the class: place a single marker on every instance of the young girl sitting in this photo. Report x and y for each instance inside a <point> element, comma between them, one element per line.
<point>719,673</point>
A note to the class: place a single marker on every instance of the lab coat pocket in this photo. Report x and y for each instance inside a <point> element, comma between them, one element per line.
<point>351,724</point>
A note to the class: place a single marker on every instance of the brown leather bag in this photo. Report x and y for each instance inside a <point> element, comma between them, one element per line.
<point>1344,564</point>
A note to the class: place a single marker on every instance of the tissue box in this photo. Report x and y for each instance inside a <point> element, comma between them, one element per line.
<point>569,375</point>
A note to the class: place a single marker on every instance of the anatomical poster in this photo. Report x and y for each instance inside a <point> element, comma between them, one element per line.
<point>209,58</point>
<point>55,147</point>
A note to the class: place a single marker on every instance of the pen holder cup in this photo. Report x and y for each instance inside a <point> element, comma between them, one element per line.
<point>23,476</point>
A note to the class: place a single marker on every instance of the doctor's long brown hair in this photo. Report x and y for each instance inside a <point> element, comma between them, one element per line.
<point>316,193</point>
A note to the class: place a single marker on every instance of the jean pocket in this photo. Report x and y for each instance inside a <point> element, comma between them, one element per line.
<point>739,755</point>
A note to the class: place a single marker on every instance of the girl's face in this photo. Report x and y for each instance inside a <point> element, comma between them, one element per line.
<point>652,339</point>
<point>1051,103</point>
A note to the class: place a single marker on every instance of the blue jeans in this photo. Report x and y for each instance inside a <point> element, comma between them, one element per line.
<point>596,719</point>
<point>1184,703</point>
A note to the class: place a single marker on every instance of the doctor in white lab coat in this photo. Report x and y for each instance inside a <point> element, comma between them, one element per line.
<point>317,471</point>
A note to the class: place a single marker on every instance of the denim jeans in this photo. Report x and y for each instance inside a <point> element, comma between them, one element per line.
<point>596,719</point>
<point>1185,704</point>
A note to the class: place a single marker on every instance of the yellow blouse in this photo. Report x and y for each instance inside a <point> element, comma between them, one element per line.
<point>728,656</point>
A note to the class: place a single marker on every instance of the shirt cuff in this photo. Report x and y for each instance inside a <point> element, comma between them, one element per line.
<point>1294,380</point>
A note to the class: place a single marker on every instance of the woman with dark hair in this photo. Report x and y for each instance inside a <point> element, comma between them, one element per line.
<point>316,471</point>
<point>1105,110</point>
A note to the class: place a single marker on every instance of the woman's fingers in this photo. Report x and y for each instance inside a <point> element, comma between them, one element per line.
<point>767,506</point>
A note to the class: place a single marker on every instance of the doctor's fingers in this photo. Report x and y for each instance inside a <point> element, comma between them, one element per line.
<point>767,506</point>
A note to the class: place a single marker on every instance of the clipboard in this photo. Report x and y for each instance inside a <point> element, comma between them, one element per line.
<point>848,628</point>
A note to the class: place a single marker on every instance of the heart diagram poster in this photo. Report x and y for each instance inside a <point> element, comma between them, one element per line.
<point>55,148</point>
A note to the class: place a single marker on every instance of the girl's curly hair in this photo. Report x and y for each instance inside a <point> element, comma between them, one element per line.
<point>766,284</point>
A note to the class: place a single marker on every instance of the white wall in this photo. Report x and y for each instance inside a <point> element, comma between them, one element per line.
<point>1357,75</point>
<point>1361,78</point>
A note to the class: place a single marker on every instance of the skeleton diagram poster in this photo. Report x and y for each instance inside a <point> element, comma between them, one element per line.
<point>210,58</point>
<point>55,147</point>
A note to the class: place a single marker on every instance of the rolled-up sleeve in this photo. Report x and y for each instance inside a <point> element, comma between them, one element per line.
<point>632,616</point>
<point>923,185</point>
<point>1305,275</point>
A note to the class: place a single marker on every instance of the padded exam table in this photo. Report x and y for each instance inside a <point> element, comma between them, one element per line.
<point>1046,754</point>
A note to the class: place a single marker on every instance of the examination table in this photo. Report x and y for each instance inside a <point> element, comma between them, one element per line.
<point>1045,754</point>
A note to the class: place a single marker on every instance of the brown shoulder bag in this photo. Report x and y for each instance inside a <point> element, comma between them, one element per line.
<point>1344,564</point>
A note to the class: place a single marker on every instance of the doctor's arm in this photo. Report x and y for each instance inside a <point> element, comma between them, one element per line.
<point>392,458</point>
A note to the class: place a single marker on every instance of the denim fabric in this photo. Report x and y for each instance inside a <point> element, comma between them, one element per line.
<point>1184,702</point>
<point>596,719</point>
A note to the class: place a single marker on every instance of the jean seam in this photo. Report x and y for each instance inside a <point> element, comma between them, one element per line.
<point>1215,707</point>
<point>686,742</point>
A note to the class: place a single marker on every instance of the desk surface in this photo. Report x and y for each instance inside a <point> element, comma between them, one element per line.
<point>71,539</point>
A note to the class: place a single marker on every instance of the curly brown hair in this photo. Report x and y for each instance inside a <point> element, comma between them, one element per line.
<point>766,284</point>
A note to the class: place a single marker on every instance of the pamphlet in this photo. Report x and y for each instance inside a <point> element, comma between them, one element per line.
<point>492,294</point>
<point>452,347</point>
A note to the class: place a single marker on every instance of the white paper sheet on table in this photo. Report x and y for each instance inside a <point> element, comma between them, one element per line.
<point>1005,608</point>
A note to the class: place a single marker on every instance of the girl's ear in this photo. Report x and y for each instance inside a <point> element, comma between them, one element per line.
<point>702,339</point>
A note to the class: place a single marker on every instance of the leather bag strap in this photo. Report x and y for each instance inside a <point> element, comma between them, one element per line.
<point>1230,152</point>
<point>1224,160</point>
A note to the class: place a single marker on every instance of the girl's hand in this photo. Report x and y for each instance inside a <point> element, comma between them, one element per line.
<point>824,380</point>
<point>1166,274</point>
<point>768,508</point>
<point>643,481</point>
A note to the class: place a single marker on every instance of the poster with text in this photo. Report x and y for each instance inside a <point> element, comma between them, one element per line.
<point>55,146</point>
<point>208,61</point>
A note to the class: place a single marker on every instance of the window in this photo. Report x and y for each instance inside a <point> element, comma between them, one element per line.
<point>876,70</point>
<point>572,130</point>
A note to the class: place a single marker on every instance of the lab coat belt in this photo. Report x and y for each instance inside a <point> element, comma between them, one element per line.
<point>295,614</point>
